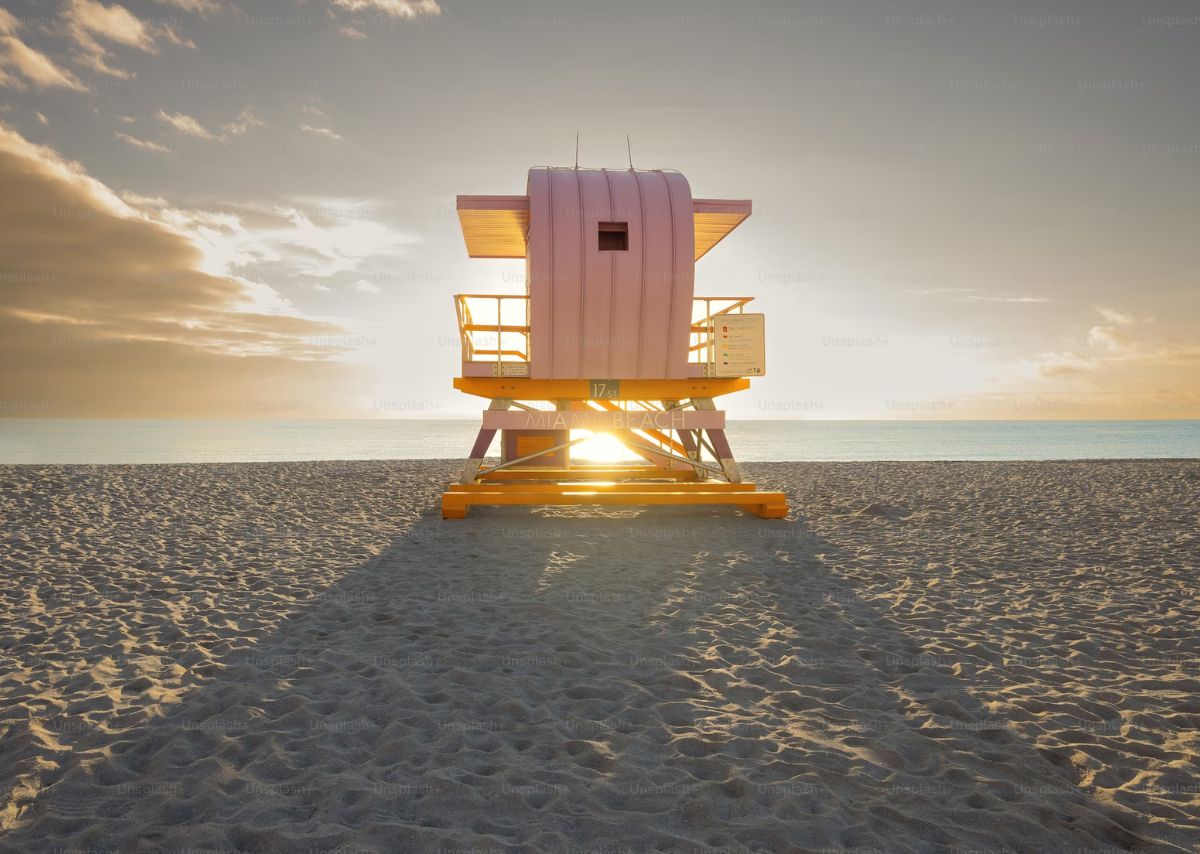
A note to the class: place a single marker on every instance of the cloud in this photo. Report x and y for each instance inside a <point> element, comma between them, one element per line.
<point>245,120</point>
<point>1109,338</point>
<point>35,67</point>
<point>113,23</point>
<point>407,9</point>
<point>1062,364</point>
<point>1113,316</point>
<point>108,312</point>
<point>352,33</point>
<point>972,295</point>
<point>926,293</point>
<point>144,144</point>
<point>189,126</point>
<point>366,287</point>
<point>1117,376</point>
<point>322,132</point>
<point>200,7</point>
<point>93,26</point>
<point>186,125</point>
<point>311,238</point>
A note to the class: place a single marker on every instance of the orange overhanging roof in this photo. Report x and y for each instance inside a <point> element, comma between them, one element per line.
<point>715,218</point>
<point>497,226</point>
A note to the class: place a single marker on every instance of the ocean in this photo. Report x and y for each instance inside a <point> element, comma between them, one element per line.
<point>49,441</point>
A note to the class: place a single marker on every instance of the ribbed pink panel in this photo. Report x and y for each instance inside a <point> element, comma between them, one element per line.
<point>683,275</point>
<point>538,263</point>
<point>627,280</point>
<point>609,314</point>
<point>597,276</point>
<point>658,277</point>
<point>566,273</point>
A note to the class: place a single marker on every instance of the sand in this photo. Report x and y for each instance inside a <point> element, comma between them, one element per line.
<point>304,657</point>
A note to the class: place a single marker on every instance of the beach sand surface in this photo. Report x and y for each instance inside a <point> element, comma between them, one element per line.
<point>304,656</point>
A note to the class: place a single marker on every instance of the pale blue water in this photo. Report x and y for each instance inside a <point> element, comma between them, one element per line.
<point>153,441</point>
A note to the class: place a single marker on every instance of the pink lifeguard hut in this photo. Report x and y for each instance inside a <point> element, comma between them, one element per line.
<point>608,337</point>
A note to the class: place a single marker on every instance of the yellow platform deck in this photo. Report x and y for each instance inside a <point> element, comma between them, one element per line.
<point>588,473</point>
<point>460,497</point>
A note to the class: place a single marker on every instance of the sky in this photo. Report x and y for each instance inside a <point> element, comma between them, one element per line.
<point>246,209</point>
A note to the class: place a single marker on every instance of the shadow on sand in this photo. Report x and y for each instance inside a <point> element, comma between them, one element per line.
<point>676,679</point>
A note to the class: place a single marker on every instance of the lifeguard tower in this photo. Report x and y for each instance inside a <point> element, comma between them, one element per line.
<point>608,337</point>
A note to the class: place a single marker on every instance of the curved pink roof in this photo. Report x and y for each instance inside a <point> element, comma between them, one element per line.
<point>610,265</point>
<point>621,313</point>
<point>498,226</point>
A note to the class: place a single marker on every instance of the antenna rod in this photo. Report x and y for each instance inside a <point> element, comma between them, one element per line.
<point>576,149</point>
<point>629,149</point>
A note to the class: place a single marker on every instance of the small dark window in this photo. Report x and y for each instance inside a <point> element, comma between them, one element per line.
<point>614,236</point>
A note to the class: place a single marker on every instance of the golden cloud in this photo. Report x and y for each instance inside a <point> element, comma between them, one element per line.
<point>394,8</point>
<point>32,66</point>
<point>93,26</point>
<point>1109,338</point>
<point>143,144</point>
<point>186,125</point>
<point>200,7</point>
<point>106,312</point>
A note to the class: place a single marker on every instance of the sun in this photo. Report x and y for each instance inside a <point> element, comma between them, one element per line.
<point>600,448</point>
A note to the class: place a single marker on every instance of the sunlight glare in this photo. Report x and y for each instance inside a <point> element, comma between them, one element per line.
<point>600,448</point>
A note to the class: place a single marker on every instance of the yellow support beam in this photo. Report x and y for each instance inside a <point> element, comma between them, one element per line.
<point>530,473</point>
<point>768,505</point>
<point>594,487</point>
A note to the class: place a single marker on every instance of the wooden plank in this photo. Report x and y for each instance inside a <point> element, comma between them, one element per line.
<point>532,473</point>
<point>516,495</point>
<point>714,218</point>
<point>606,486</point>
<point>651,422</point>
<point>766,505</point>
<point>522,388</point>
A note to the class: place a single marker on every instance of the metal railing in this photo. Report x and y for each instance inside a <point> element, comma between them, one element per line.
<point>496,340</point>
<point>701,350</point>
<point>496,326</point>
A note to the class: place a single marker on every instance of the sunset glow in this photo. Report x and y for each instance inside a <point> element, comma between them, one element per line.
<point>600,448</point>
<point>252,215</point>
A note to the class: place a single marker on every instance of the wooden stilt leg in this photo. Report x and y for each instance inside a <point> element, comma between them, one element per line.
<point>720,443</point>
<point>482,442</point>
<point>688,440</point>
<point>725,455</point>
